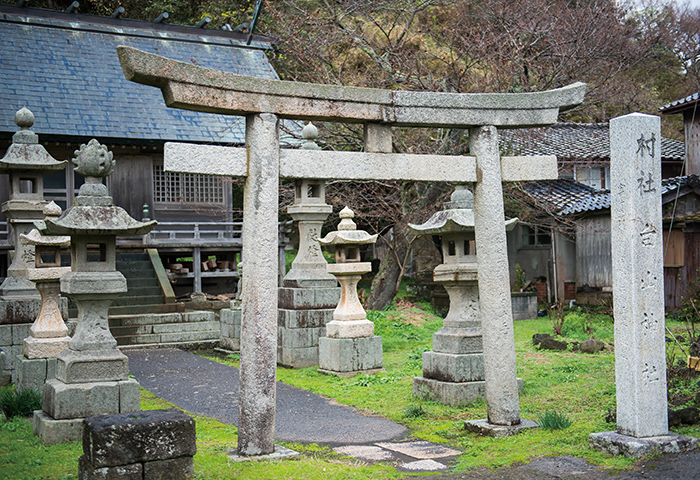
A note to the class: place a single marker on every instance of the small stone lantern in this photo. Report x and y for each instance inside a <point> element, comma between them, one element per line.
<point>48,335</point>
<point>26,162</point>
<point>350,345</point>
<point>92,375</point>
<point>453,373</point>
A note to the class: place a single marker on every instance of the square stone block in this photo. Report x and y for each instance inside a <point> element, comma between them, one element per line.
<point>20,310</point>
<point>350,354</point>
<point>483,427</point>
<point>92,366</point>
<point>308,298</point>
<point>448,367</point>
<point>151,435</point>
<point>79,400</point>
<point>298,337</point>
<point>33,373</point>
<point>129,396</point>
<point>448,393</point>
<point>297,357</point>
<point>5,335</point>
<point>86,471</point>
<point>44,347</point>
<point>617,444</point>
<point>52,431</point>
<point>304,318</point>
<point>457,343</point>
<point>173,469</point>
<point>20,332</point>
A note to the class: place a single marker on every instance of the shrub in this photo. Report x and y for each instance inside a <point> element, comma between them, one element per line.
<point>553,420</point>
<point>414,411</point>
<point>19,404</point>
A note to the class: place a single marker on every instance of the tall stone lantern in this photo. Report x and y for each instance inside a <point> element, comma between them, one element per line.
<point>26,162</point>
<point>92,375</point>
<point>350,345</point>
<point>453,373</point>
<point>308,293</point>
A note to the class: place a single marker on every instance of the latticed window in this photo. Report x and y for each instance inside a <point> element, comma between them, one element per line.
<point>171,187</point>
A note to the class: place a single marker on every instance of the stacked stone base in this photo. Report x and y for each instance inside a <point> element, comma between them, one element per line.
<point>151,445</point>
<point>348,356</point>
<point>302,318</point>
<point>618,444</point>
<point>451,393</point>
<point>16,318</point>
<point>33,373</point>
<point>230,323</point>
<point>65,406</point>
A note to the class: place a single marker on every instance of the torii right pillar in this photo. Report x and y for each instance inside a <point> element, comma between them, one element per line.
<point>501,386</point>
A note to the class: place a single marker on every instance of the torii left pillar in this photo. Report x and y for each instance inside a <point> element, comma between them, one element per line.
<point>258,334</point>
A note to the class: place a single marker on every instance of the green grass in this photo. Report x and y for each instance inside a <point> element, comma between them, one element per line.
<point>578,386</point>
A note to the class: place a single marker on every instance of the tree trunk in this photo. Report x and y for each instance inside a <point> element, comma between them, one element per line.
<point>386,281</point>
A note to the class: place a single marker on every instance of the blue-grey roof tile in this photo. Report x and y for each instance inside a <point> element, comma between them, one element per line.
<point>69,75</point>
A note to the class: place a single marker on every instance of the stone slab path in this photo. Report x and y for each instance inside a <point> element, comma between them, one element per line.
<point>204,387</point>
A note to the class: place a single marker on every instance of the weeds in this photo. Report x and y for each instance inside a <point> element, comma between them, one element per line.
<point>553,420</point>
<point>414,411</point>
<point>19,404</point>
<point>556,316</point>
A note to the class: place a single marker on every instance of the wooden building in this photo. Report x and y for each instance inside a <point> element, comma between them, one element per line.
<point>566,240</point>
<point>64,68</point>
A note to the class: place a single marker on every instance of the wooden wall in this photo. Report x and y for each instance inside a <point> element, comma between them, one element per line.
<point>593,252</point>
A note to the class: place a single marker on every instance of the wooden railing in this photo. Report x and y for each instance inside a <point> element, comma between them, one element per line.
<point>195,233</point>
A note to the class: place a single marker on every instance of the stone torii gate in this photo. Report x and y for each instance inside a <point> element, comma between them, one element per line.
<point>264,102</point>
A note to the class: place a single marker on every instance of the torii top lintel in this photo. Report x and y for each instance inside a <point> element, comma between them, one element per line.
<point>191,87</point>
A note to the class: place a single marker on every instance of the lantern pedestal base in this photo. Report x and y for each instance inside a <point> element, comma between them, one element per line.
<point>349,355</point>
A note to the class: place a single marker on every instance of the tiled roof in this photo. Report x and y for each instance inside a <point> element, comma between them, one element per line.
<point>681,104</point>
<point>567,197</point>
<point>65,69</point>
<point>574,142</point>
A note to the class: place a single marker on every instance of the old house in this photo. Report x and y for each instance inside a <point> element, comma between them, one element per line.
<point>64,68</point>
<point>565,238</point>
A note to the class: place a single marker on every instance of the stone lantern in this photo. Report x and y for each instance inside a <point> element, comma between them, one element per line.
<point>453,373</point>
<point>308,293</point>
<point>350,345</point>
<point>92,375</point>
<point>26,162</point>
<point>48,336</point>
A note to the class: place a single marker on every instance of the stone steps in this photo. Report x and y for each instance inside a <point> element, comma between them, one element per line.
<point>168,328</point>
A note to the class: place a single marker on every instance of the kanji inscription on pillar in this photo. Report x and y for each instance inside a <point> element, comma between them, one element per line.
<point>637,251</point>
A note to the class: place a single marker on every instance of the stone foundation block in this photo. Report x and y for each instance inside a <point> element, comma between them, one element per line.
<point>304,318</point>
<point>173,469</point>
<point>129,396</point>
<point>350,328</point>
<point>5,335</point>
<point>448,393</point>
<point>448,367</point>
<point>23,310</point>
<point>297,357</point>
<point>122,472</point>
<point>79,400</point>
<point>20,332</point>
<point>147,436</point>
<point>457,343</point>
<point>92,366</point>
<point>299,337</point>
<point>350,354</point>
<point>231,343</point>
<point>308,298</point>
<point>230,325</point>
<point>44,347</point>
<point>483,427</point>
<point>33,373</point>
<point>52,431</point>
<point>617,444</point>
